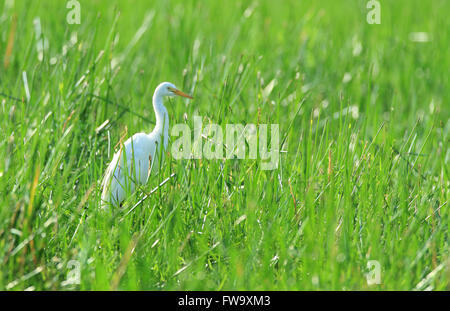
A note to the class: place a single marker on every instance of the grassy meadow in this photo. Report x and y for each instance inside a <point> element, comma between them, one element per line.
<point>363,173</point>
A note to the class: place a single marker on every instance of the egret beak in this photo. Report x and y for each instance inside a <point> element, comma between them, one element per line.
<point>179,93</point>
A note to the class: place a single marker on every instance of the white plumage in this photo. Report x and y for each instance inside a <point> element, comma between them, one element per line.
<point>138,157</point>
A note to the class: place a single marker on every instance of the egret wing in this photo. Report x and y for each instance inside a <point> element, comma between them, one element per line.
<point>109,177</point>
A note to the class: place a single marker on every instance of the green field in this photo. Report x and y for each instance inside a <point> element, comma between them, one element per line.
<point>363,173</point>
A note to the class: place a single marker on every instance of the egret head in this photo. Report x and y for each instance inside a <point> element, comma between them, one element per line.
<point>168,89</point>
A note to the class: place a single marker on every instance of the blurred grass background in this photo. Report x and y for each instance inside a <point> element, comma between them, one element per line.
<point>364,109</point>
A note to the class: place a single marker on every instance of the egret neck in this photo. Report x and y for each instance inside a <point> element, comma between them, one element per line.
<point>162,118</point>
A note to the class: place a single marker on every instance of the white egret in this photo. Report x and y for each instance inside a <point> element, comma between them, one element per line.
<point>142,152</point>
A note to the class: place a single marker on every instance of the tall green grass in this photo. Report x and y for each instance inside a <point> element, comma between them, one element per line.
<point>363,174</point>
